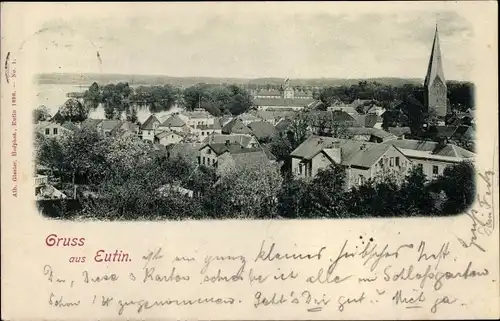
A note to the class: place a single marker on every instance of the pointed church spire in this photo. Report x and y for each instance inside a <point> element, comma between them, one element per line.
<point>435,67</point>
<point>435,83</point>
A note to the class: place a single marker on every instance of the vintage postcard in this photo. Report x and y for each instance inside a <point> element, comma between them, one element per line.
<point>249,161</point>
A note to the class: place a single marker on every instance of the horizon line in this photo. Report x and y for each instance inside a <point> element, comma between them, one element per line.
<point>236,77</point>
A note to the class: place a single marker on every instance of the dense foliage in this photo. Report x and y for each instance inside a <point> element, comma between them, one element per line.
<point>41,114</point>
<point>121,177</point>
<point>119,100</point>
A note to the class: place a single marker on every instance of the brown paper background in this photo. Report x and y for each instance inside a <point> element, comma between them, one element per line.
<point>25,290</point>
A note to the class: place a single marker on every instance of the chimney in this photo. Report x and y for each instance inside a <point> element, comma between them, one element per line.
<point>227,142</point>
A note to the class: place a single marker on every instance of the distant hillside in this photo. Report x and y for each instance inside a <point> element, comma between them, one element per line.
<point>87,79</point>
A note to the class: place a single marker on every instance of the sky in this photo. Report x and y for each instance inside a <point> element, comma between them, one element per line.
<point>250,40</point>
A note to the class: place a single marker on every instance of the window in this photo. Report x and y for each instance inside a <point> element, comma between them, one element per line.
<point>435,170</point>
<point>47,131</point>
<point>381,163</point>
<point>55,131</point>
<point>209,151</point>
<point>421,166</point>
<point>397,161</point>
<point>203,160</point>
<point>361,180</point>
<point>391,162</point>
<point>300,169</point>
<point>213,162</point>
<point>172,136</point>
<point>199,160</point>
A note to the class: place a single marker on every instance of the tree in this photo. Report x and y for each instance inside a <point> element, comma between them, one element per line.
<point>416,195</point>
<point>73,110</point>
<point>41,113</point>
<point>291,197</point>
<point>163,98</point>
<point>131,114</point>
<point>240,104</point>
<point>201,179</point>
<point>245,192</point>
<point>361,198</point>
<point>193,96</point>
<point>92,96</point>
<point>298,131</point>
<point>326,193</point>
<point>84,156</point>
<point>50,153</point>
<point>457,182</point>
<point>125,153</point>
<point>219,97</point>
<point>116,99</point>
<point>461,95</point>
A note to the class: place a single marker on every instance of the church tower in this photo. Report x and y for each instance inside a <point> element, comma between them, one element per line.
<point>435,83</point>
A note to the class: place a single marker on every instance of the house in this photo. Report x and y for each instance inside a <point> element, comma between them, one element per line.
<point>54,129</point>
<point>358,103</point>
<point>236,126</point>
<point>464,133</point>
<point>325,121</point>
<point>399,132</point>
<point>90,123</point>
<point>269,94</point>
<point>282,103</point>
<point>47,192</point>
<point>283,125</point>
<point>125,128</point>
<point>197,117</point>
<point>187,151</point>
<point>273,117</point>
<point>244,140</point>
<point>460,119</point>
<point>157,150</point>
<point>369,120</point>
<point>348,109</point>
<point>175,123</point>
<point>229,156</point>
<point>367,107</point>
<point>148,129</point>
<point>202,131</point>
<point>303,94</point>
<point>361,160</point>
<point>316,105</point>
<point>106,126</point>
<point>269,154</point>
<point>168,137</point>
<point>265,115</point>
<point>373,135</point>
<point>248,118</point>
<point>432,157</point>
<point>224,119</point>
<point>262,130</point>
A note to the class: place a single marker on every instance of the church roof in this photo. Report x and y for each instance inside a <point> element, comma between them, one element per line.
<point>435,68</point>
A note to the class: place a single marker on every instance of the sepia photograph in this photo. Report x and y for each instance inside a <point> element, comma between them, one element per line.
<point>210,116</point>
